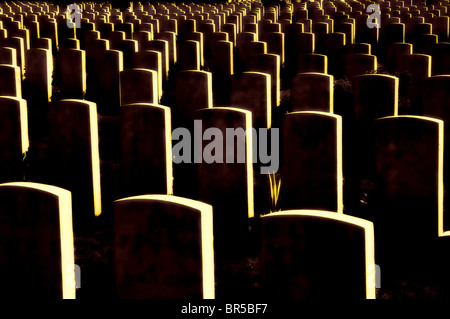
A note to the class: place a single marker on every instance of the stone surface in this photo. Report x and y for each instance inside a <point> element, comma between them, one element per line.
<point>163,248</point>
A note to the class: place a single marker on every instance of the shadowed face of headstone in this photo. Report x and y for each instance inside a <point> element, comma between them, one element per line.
<point>312,92</point>
<point>193,92</point>
<point>73,149</point>
<point>408,193</point>
<point>138,86</point>
<point>73,73</point>
<point>10,81</point>
<point>316,254</point>
<point>225,171</point>
<point>163,248</point>
<point>311,161</point>
<point>13,138</point>
<point>146,149</point>
<point>37,240</point>
<point>251,91</point>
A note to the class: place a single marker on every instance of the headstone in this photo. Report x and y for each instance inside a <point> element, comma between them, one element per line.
<point>395,53</point>
<point>186,26</point>
<point>295,45</point>
<point>146,149</point>
<point>424,42</point>
<point>248,49</point>
<point>311,63</point>
<point>126,27</point>
<point>416,67</point>
<point>275,44</point>
<point>188,55</point>
<point>74,162</point>
<point>142,37</point>
<point>105,29</point>
<point>193,92</point>
<point>38,75</point>
<point>13,138</point>
<point>161,46</point>
<point>395,33</point>
<point>348,29</point>
<point>358,64</point>
<point>18,45</point>
<point>138,86</point>
<point>226,175</point>
<point>270,64</point>
<point>441,28</point>
<point>334,48</point>
<point>251,91</point>
<point>230,29</point>
<point>244,37</point>
<point>440,61</point>
<point>312,92</point>
<point>70,44</point>
<point>48,29</point>
<point>8,56</point>
<point>163,248</point>
<point>150,60</point>
<point>107,90</point>
<point>434,98</point>
<point>311,161</point>
<point>170,37</point>
<point>145,27</point>
<point>128,48</point>
<point>72,65</point>
<point>221,67</point>
<point>23,34</point>
<point>10,77</point>
<point>408,196</point>
<point>42,43</point>
<point>37,240</point>
<point>298,246</point>
<point>210,40</point>
<point>197,36</point>
<point>376,95</point>
<point>115,38</point>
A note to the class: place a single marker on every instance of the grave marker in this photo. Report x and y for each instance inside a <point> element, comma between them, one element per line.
<point>408,195</point>
<point>312,92</point>
<point>251,91</point>
<point>193,92</point>
<point>270,64</point>
<point>138,86</point>
<point>228,176</point>
<point>36,233</point>
<point>146,149</point>
<point>189,55</point>
<point>13,138</point>
<point>72,65</point>
<point>358,64</point>
<point>163,248</point>
<point>10,78</point>
<point>74,155</point>
<point>298,247</point>
<point>311,161</point>
<point>317,63</point>
<point>150,60</point>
